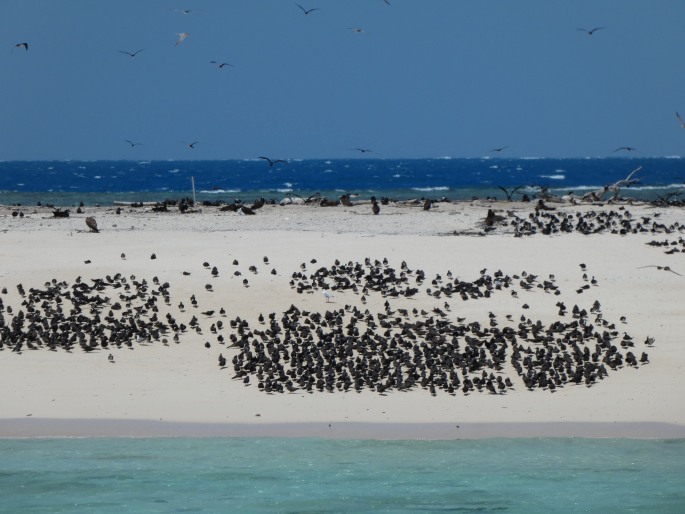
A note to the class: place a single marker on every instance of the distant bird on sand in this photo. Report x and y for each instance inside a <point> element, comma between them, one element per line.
<point>131,54</point>
<point>591,31</point>
<point>181,38</point>
<point>272,161</point>
<point>25,46</point>
<point>92,224</point>
<point>220,64</point>
<point>626,148</point>
<point>682,123</point>
<point>327,295</point>
<point>132,143</point>
<point>307,11</point>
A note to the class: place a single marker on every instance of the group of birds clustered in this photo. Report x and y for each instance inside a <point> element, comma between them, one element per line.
<point>349,348</point>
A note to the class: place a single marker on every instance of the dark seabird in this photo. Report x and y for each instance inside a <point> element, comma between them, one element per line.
<point>25,46</point>
<point>682,123</point>
<point>272,161</point>
<point>591,31</point>
<point>375,208</point>
<point>153,256</point>
<point>92,224</point>
<point>132,143</point>
<point>307,11</point>
<point>131,54</point>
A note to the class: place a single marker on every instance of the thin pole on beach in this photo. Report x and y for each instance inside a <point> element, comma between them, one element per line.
<point>192,180</point>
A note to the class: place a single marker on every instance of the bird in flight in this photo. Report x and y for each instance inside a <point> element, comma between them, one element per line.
<point>499,149</point>
<point>591,31</point>
<point>220,64</point>
<point>131,54</point>
<point>664,268</point>
<point>356,30</point>
<point>25,46</point>
<point>272,161</point>
<point>682,123</point>
<point>192,145</point>
<point>387,2</point>
<point>626,148</point>
<point>132,143</point>
<point>184,11</point>
<point>361,150</point>
<point>181,37</point>
<point>307,11</point>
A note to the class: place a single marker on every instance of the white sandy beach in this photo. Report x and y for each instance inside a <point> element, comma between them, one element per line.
<point>55,393</point>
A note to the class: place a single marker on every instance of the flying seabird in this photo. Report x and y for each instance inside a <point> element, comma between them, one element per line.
<point>131,54</point>
<point>220,64</point>
<point>499,149</point>
<point>591,31</point>
<point>356,30</point>
<point>682,123</point>
<point>272,161</point>
<point>25,46</point>
<point>192,145</point>
<point>307,11</point>
<point>626,148</point>
<point>181,37</point>
<point>132,143</point>
<point>664,268</point>
<point>361,150</point>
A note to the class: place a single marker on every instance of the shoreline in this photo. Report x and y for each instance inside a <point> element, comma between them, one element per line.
<point>36,428</point>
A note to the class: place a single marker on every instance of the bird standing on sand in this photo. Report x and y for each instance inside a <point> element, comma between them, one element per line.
<point>375,208</point>
<point>327,295</point>
<point>92,224</point>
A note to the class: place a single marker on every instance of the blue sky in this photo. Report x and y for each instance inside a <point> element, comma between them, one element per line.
<point>425,78</point>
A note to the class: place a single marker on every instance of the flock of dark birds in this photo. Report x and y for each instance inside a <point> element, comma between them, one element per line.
<point>396,348</point>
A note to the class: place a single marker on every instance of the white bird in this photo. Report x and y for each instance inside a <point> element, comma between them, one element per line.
<point>327,294</point>
<point>181,37</point>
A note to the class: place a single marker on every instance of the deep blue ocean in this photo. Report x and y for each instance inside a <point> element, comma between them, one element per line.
<point>317,475</point>
<point>101,182</point>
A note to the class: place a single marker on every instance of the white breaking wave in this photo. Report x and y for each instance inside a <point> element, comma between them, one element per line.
<point>438,188</point>
<point>553,177</point>
<point>219,191</point>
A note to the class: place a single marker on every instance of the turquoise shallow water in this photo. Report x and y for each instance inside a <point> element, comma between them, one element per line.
<point>315,475</point>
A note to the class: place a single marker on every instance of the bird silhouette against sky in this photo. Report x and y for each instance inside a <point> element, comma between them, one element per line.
<point>132,143</point>
<point>25,46</point>
<point>499,149</point>
<point>181,37</point>
<point>682,123</point>
<point>131,54</point>
<point>192,145</point>
<point>307,11</point>
<point>591,31</point>
<point>626,149</point>
<point>221,64</point>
